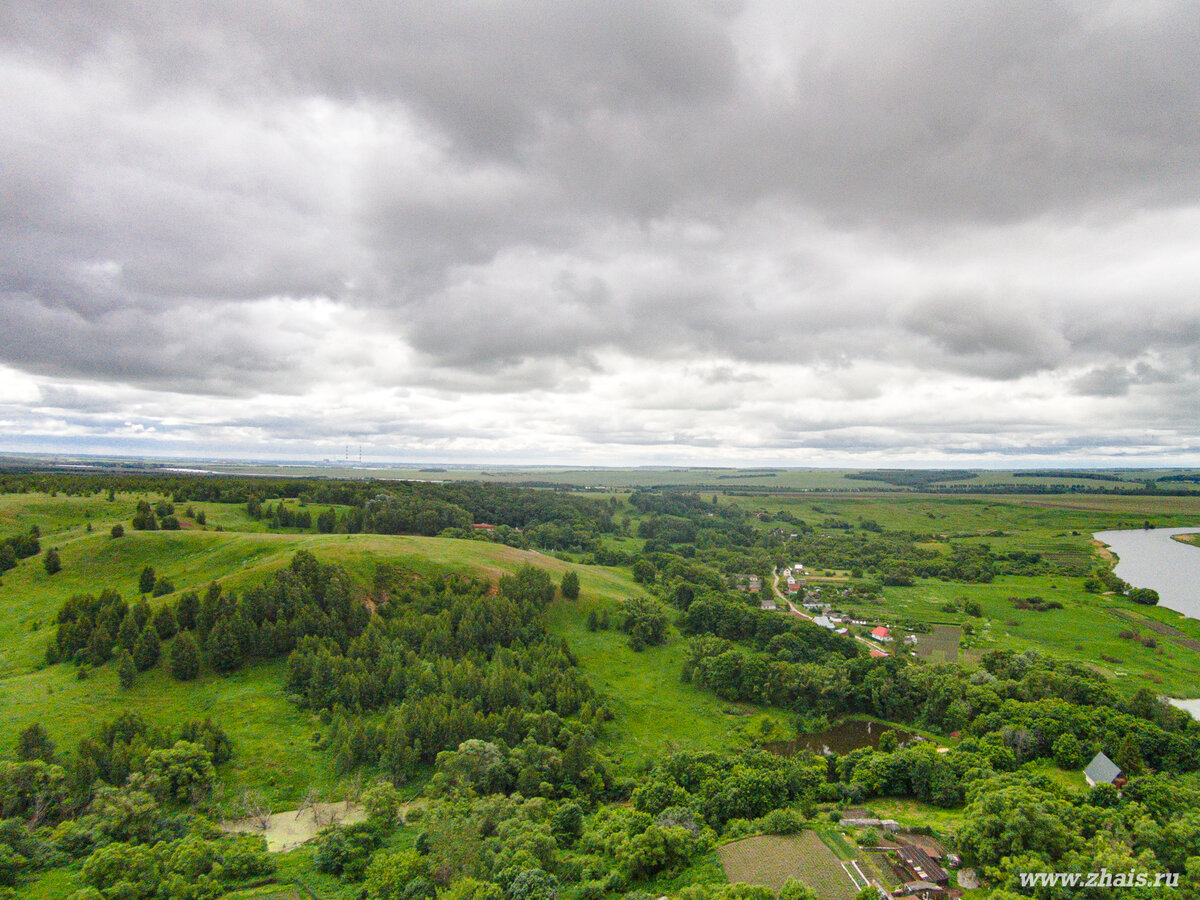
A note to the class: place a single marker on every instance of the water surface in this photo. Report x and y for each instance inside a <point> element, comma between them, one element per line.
<point>841,738</point>
<point>1191,706</point>
<point>1149,558</point>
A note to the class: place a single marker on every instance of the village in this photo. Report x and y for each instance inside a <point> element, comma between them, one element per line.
<point>825,601</point>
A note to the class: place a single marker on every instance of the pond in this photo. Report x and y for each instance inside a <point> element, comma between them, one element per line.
<point>1149,558</point>
<point>843,737</point>
<point>1190,706</point>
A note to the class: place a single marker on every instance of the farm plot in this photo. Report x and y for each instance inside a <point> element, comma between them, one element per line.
<point>772,859</point>
<point>941,646</point>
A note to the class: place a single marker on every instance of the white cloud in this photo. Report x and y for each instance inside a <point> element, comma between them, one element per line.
<point>606,231</point>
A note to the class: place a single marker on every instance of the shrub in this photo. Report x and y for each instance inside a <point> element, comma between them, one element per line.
<point>570,585</point>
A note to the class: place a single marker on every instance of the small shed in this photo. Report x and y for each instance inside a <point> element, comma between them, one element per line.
<point>1102,770</point>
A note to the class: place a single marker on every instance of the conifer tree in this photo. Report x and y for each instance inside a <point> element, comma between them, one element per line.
<point>224,649</point>
<point>126,669</point>
<point>128,632</point>
<point>165,623</point>
<point>187,610</point>
<point>147,650</point>
<point>185,657</point>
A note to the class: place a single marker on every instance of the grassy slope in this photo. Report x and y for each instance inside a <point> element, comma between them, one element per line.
<point>273,737</point>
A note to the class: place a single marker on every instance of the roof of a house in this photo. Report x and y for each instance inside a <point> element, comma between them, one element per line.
<point>881,631</point>
<point>1102,770</point>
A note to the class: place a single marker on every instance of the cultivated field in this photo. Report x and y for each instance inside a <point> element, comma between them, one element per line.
<point>773,859</point>
<point>941,645</point>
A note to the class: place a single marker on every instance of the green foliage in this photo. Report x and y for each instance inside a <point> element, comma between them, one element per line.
<point>165,623</point>
<point>187,610</point>
<point>645,622</point>
<point>472,889</point>
<point>567,823</point>
<point>52,562</point>
<point>794,889</point>
<point>390,874</point>
<point>146,580</point>
<point>35,743</point>
<point>382,803</point>
<point>147,650</point>
<point>184,772</point>
<point>533,884</point>
<point>1067,752</point>
<point>345,851</point>
<point>644,572</point>
<point>185,657</point>
<point>1144,596</point>
<point>191,868</point>
<point>126,669</point>
<point>570,585</point>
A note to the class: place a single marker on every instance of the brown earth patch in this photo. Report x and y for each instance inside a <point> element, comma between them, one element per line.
<point>1159,628</point>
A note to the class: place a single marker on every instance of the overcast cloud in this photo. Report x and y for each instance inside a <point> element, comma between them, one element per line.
<point>607,232</point>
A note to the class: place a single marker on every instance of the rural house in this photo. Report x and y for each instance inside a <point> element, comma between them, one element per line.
<point>1102,770</point>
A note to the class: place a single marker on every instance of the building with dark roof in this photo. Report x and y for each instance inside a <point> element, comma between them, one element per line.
<point>917,863</point>
<point>1102,770</point>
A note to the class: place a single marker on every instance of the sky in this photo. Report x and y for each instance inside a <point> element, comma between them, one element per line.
<point>616,232</point>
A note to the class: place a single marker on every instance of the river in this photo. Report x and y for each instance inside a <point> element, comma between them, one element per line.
<point>1149,558</point>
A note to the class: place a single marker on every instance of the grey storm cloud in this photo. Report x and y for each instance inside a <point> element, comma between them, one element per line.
<point>482,215</point>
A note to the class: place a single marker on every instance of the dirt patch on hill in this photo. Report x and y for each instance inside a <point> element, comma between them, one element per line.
<point>288,830</point>
<point>1159,628</point>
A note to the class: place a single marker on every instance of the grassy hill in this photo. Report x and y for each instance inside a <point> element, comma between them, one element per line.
<point>273,736</point>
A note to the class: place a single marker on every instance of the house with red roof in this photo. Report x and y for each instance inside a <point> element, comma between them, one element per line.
<point>881,633</point>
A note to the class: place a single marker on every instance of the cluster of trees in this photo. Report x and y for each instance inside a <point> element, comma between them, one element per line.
<point>453,661</point>
<point>678,518</point>
<point>122,803</point>
<point>17,547</point>
<point>202,866</point>
<point>151,518</point>
<point>1022,702</point>
<point>1105,579</point>
<point>304,600</point>
<point>715,789</point>
<point>645,621</point>
<point>280,515</point>
<point>93,630</point>
<point>478,842</point>
<point>1022,822</point>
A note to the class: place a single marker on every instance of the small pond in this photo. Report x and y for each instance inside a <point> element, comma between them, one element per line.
<point>843,737</point>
